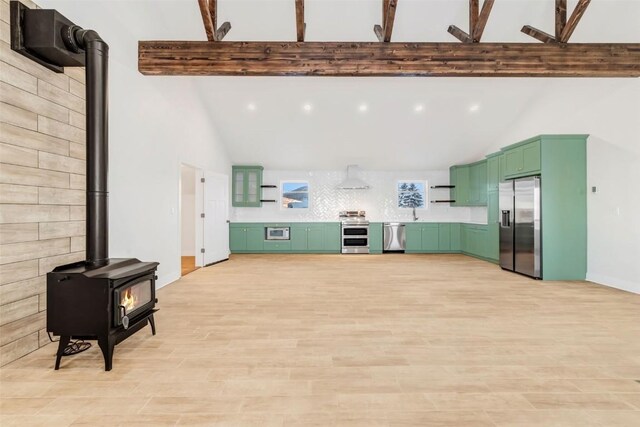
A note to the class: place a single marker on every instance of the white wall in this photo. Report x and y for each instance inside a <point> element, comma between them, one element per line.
<point>608,110</point>
<point>380,201</point>
<point>155,124</point>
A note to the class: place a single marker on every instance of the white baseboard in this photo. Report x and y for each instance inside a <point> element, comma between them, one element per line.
<point>614,282</point>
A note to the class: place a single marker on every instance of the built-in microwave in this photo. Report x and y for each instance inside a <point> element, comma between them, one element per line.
<point>277,233</point>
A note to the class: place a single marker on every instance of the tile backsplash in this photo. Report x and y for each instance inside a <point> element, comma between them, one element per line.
<point>379,201</point>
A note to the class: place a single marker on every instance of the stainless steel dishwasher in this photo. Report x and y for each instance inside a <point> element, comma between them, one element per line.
<point>394,237</point>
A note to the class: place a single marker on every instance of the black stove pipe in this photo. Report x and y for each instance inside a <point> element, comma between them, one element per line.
<point>97,61</point>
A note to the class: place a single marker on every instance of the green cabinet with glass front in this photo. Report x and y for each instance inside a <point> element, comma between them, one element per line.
<point>246,186</point>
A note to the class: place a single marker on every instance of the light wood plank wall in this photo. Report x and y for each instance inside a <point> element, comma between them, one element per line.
<point>42,186</point>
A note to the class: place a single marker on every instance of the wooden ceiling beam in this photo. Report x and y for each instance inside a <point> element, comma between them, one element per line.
<point>460,34</point>
<point>194,58</point>
<point>206,19</point>
<point>384,31</point>
<point>538,34</point>
<point>561,17</point>
<point>481,23</point>
<point>474,11</point>
<point>209,12</point>
<point>572,23</point>
<point>564,28</point>
<point>477,22</point>
<point>300,24</point>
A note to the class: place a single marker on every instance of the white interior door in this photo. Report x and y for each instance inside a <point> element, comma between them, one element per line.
<point>216,212</point>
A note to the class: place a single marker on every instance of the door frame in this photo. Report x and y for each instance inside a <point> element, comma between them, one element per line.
<point>198,208</point>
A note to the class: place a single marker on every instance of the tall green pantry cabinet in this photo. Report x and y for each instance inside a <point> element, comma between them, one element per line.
<point>246,186</point>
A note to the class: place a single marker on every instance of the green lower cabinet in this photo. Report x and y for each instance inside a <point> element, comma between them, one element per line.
<point>474,240</point>
<point>237,239</point>
<point>444,237</point>
<point>298,238</point>
<point>246,238</point>
<point>332,237</point>
<point>430,237</point>
<point>277,246</point>
<point>455,237</point>
<point>493,242</point>
<point>413,233</point>
<point>315,238</point>
<point>375,237</point>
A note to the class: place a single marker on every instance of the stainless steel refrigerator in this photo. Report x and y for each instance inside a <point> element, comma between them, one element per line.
<point>520,226</point>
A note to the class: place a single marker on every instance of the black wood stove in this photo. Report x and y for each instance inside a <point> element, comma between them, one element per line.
<point>100,298</point>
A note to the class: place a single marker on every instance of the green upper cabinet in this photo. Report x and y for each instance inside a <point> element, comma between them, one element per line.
<point>459,177</point>
<point>470,183</point>
<point>522,159</point>
<point>375,237</point>
<point>478,184</point>
<point>493,172</point>
<point>246,186</point>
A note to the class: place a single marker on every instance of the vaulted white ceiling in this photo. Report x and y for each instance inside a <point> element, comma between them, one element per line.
<point>280,134</point>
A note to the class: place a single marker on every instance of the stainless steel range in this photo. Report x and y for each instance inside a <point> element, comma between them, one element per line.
<point>355,232</point>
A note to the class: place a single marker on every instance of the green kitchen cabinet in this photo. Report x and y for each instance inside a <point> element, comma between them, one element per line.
<point>523,159</point>
<point>314,237</point>
<point>444,237</point>
<point>493,227</point>
<point>493,172</point>
<point>237,239</point>
<point>455,244</point>
<point>470,183</point>
<point>246,237</point>
<point>277,246</point>
<point>478,184</point>
<point>474,240</point>
<point>430,237</point>
<point>246,187</point>
<point>413,234</point>
<point>332,237</point>
<point>459,177</point>
<point>375,237</point>
<point>298,237</point>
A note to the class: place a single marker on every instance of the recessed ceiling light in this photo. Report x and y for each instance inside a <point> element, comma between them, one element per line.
<point>363,107</point>
<point>307,107</point>
<point>474,108</point>
<point>418,108</point>
<point>251,106</point>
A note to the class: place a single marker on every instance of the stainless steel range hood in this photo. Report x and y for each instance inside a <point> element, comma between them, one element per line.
<point>353,182</point>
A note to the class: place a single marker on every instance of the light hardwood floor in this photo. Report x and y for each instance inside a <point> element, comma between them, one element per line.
<point>325,340</point>
<point>187,265</point>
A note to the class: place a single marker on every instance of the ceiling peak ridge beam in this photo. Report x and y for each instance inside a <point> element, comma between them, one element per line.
<point>301,26</point>
<point>563,28</point>
<point>477,22</point>
<point>383,32</point>
<point>209,12</point>
<point>361,59</point>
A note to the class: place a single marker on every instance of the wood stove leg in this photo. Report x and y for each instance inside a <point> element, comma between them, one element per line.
<point>106,345</point>
<point>152,322</point>
<point>62,344</point>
